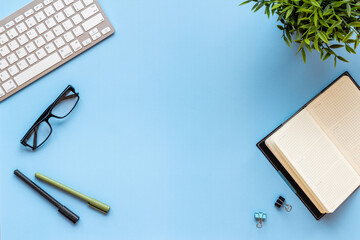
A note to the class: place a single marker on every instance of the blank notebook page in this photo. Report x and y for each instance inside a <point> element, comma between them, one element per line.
<point>317,160</point>
<point>337,111</point>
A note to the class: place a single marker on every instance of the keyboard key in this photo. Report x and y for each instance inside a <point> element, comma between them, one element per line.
<point>59,42</point>
<point>30,22</point>
<point>3,39</point>
<point>88,2</point>
<point>38,68</point>
<point>4,76</point>
<point>9,24</point>
<point>12,33</point>
<point>2,29</point>
<point>68,36</point>
<point>50,22</point>
<point>13,45</point>
<point>49,11</point>
<point>93,31</point>
<point>65,51</point>
<point>69,11</point>
<point>31,59</point>
<point>19,18</point>
<point>94,21</point>
<point>67,2</point>
<point>29,13</point>
<point>21,27</point>
<point>58,5</point>
<point>78,31</point>
<point>3,64</point>
<point>13,70</point>
<point>67,24</point>
<point>78,6</point>
<point>32,34</point>
<point>40,41</point>
<point>77,19</point>
<point>86,42</point>
<point>4,51</point>
<point>96,36</point>
<point>9,86</point>
<point>59,17</point>
<point>47,2</point>
<point>38,7</point>
<point>22,39</point>
<point>12,58</point>
<point>40,16</point>
<point>22,64</point>
<point>41,28</point>
<point>40,53</point>
<point>30,47</point>
<point>88,12</point>
<point>21,52</point>
<point>76,46</point>
<point>105,30</point>
<point>49,36</point>
<point>50,48</point>
<point>58,30</point>
<point>2,93</point>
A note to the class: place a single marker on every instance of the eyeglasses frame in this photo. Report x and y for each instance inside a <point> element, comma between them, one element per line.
<point>46,115</point>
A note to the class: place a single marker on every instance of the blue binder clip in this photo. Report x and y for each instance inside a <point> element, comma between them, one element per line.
<point>281,203</point>
<point>260,218</point>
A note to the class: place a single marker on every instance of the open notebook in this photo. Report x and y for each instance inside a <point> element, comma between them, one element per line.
<point>317,150</point>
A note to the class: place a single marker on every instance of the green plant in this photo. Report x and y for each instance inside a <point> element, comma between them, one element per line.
<point>323,25</point>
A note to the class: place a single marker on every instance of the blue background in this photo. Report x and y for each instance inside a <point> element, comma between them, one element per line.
<point>171,108</point>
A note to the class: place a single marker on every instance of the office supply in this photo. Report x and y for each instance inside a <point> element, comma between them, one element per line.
<point>260,217</point>
<point>60,108</point>
<point>280,203</point>
<point>61,208</point>
<point>102,207</point>
<point>317,150</point>
<point>45,34</point>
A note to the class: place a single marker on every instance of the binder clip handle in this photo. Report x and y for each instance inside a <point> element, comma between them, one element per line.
<point>280,202</point>
<point>260,217</point>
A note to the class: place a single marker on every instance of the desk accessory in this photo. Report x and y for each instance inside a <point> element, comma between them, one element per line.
<point>317,150</point>
<point>45,34</point>
<point>61,208</point>
<point>260,217</point>
<point>102,207</point>
<point>60,108</point>
<point>321,25</point>
<point>280,203</point>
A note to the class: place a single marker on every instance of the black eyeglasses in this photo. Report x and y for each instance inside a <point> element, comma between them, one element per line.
<point>60,108</point>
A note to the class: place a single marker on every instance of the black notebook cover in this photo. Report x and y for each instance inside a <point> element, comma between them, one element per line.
<point>283,172</point>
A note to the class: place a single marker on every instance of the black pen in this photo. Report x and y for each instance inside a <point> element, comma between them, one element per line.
<point>62,209</point>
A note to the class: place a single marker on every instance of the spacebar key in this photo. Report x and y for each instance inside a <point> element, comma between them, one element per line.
<point>37,68</point>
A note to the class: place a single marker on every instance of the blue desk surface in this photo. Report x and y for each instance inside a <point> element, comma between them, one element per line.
<point>171,108</point>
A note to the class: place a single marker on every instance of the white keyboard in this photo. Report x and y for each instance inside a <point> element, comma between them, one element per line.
<point>45,34</point>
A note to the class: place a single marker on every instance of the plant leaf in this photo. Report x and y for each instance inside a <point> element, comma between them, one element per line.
<point>243,3</point>
<point>355,24</point>
<point>327,55</point>
<point>336,46</point>
<point>276,6</point>
<point>289,12</point>
<point>348,9</point>
<point>323,37</point>
<point>342,59</point>
<point>347,36</point>
<point>350,49</point>
<point>303,54</point>
<point>315,3</point>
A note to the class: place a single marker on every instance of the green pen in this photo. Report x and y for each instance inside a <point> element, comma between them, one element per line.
<point>102,207</point>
